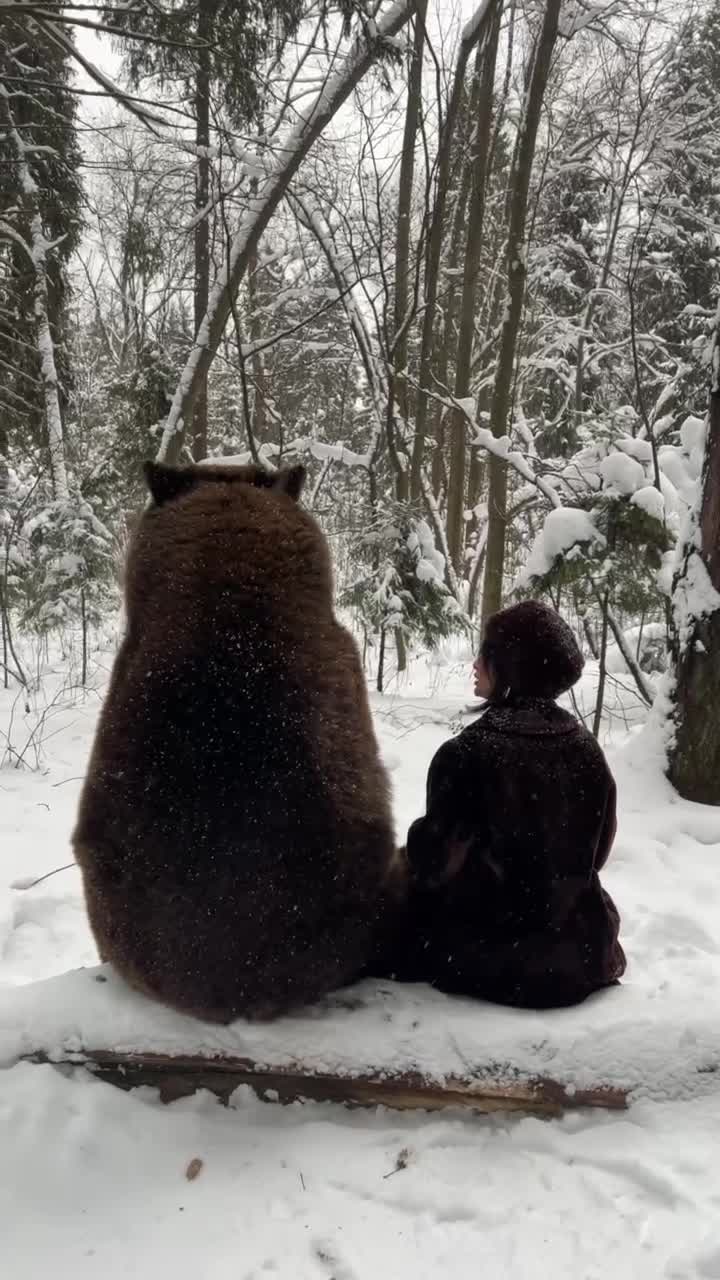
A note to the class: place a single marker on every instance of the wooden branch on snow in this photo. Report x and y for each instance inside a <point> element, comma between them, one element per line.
<point>491,1090</point>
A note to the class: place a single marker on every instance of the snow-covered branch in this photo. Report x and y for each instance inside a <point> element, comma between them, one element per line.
<point>365,50</point>
<point>482,438</point>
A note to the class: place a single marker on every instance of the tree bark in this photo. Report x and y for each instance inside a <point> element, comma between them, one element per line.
<point>694,764</point>
<point>273,189</point>
<point>485,74</point>
<point>602,669</point>
<point>402,248</point>
<point>259,424</point>
<point>491,1088</point>
<point>381,662</point>
<point>201,292</point>
<point>48,367</point>
<point>516,278</point>
<point>472,34</point>
<point>36,249</point>
<point>633,666</point>
<point>446,349</point>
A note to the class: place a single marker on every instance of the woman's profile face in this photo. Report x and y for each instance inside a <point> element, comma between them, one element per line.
<point>484,682</point>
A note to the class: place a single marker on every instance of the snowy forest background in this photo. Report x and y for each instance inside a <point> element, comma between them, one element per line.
<point>462,264</point>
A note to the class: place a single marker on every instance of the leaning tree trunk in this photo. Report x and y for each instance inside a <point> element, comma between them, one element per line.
<point>485,75</point>
<point>401,316</point>
<point>448,337</point>
<point>516,276</point>
<point>201,292</point>
<point>473,32</point>
<point>694,763</point>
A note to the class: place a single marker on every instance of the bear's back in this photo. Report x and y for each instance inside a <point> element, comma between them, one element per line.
<point>235,769</point>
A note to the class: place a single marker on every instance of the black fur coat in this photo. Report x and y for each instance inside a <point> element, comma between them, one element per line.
<point>504,898</point>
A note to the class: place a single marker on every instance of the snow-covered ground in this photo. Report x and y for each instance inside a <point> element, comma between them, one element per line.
<point>93,1181</point>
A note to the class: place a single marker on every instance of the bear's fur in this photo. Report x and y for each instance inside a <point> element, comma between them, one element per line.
<point>234,831</point>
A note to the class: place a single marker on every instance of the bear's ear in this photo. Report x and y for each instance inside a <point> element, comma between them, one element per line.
<point>290,481</point>
<point>166,483</point>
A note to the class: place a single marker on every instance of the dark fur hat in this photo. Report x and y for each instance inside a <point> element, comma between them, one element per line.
<point>532,651</point>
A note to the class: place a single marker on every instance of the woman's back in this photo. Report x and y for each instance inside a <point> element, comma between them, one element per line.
<point>539,797</point>
<point>504,897</point>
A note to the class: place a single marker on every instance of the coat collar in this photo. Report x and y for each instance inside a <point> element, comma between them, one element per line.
<point>529,717</point>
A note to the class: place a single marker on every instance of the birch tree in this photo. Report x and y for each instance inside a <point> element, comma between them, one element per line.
<point>28,236</point>
<point>39,160</point>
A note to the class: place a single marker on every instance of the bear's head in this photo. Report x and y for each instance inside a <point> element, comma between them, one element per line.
<point>215,533</point>
<point>166,483</point>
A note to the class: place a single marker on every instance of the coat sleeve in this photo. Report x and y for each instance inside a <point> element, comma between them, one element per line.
<point>429,838</point>
<point>609,827</point>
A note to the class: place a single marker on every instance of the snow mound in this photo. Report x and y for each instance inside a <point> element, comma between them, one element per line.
<point>692,436</point>
<point>634,447</point>
<point>650,500</point>
<point>661,1053</point>
<point>622,474</point>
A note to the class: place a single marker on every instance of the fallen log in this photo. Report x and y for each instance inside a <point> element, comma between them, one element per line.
<point>378,1044</point>
<point>492,1090</point>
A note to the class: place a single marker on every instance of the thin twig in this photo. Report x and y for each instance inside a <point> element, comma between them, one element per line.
<point>24,887</point>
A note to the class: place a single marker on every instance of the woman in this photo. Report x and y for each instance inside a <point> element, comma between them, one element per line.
<point>505,901</point>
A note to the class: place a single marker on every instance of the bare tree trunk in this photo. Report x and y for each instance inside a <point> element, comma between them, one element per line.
<point>448,340</point>
<point>590,638</point>
<point>5,654</point>
<point>84,621</point>
<point>381,662</point>
<point>48,368</point>
<point>476,482</point>
<point>602,671</point>
<point>485,74</point>
<point>477,477</point>
<point>472,34</point>
<point>695,755</point>
<point>201,293</point>
<point>630,660</point>
<point>256,360</point>
<point>7,637</point>
<point>516,277</point>
<point>272,192</point>
<point>401,651</point>
<point>476,569</point>
<point>401,318</point>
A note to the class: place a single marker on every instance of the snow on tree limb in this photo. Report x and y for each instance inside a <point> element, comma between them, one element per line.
<point>57,36</point>
<point>483,438</point>
<point>473,26</point>
<point>272,189</point>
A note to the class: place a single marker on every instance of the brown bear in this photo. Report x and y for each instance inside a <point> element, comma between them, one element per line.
<point>235,830</point>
